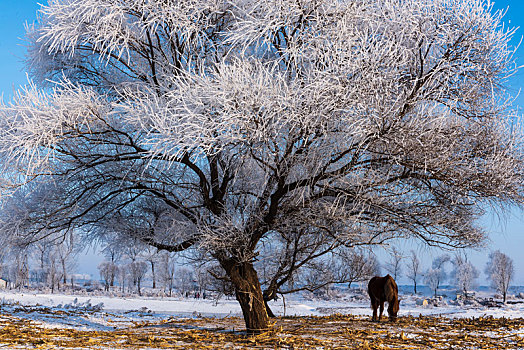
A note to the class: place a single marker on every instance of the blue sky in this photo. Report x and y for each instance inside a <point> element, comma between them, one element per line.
<point>506,235</point>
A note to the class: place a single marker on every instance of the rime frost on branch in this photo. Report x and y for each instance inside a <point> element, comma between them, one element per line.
<point>224,124</point>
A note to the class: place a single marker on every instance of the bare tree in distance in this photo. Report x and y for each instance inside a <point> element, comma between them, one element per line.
<point>285,255</point>
<point>167,271</point>
<point>4,263</point>
<point>113,252</point>
<point>349,122</point>
<point>203,279</point>
<point>66,252</point>
<point>41,252</point>
<point>185,280</point>
<point>317,278</point>
<point>394,264</point>
<point>219,283</point>
<point>433,278</point>
<point>123,273</point>
<point>341,266</point>
<point>150,254</point>
<point>436,275</point>
<point>53,270</point>
<point>413,269</point>
<point>19,267</point>
<point>464,273</point>
<point>360,267</point>
<point>137,270</point>
<point>111,247</point>
<point>108,271</point>
<point>500,271</point>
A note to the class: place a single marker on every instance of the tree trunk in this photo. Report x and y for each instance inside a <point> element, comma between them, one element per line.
<point>153,273</point>
<point>249,295</point>
<point>64,270</point>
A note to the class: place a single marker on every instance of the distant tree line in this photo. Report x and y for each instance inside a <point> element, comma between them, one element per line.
<point>462,273</point>
<point>129,265</point>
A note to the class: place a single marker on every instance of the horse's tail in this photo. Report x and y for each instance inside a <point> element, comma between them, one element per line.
<point>371,289</point>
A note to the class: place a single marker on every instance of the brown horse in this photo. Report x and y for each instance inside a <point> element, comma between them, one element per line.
<point>381,289</point>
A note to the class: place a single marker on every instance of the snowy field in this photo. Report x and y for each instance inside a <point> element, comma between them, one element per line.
<point>96,315</point>
<point>355,302</point>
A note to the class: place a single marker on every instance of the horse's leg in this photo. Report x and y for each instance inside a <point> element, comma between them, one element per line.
<point>374,306</point>
<point>381,310</point>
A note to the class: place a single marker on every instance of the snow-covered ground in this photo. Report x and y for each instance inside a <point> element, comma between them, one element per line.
<point>107,313</point>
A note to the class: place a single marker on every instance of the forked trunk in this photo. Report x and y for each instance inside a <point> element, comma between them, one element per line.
<point>249,294</point>
<point>269,294</point>
<point>268,309</point>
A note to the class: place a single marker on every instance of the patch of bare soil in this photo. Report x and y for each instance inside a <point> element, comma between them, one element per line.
<point>332,332</point>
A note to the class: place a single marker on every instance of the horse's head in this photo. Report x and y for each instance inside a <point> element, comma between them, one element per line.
<point>393,310</point>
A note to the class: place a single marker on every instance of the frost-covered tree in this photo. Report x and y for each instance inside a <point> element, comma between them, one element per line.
<point>122,276</point>
<point>4,254</point>
<point>436,275</point>
<point>150,255</point>
<point>464,273</point>
<point>66,251</point>
<point>18,269</point>
<point>166,273</point>
<point>53,270</point>
<point>349,122</point>
<point>394,264</point>
<point>414,271</point>
<point>108,270</point>
<point>137,270</point>
<point>41,251</point>
<point>499,270</point>
<point>440,263</point>
<point>113,251</point>
<point>185,280</point>
<point>432,278</point>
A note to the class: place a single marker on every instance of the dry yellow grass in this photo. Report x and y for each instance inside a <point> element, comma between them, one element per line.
<point>332,332</point>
